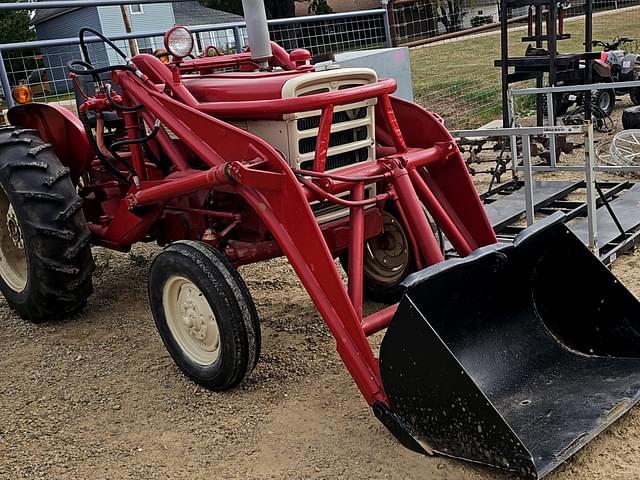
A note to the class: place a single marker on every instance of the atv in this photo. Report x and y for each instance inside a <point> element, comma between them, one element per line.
<point>617,65</point>
<point>614,65</point>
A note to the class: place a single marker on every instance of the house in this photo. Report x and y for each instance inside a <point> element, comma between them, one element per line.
<point>66,23</point>
<point>302,7</point>
<point>193,14</point>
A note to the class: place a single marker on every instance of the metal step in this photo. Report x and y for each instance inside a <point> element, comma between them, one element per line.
<point>511,207</point>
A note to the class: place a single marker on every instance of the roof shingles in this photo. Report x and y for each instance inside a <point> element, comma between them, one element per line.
<point>186,13</point>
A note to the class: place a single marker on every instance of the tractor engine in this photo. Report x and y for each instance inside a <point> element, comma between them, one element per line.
<point>352,137</point>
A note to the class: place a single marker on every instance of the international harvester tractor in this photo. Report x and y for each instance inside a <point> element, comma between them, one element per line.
<point>227,160</point>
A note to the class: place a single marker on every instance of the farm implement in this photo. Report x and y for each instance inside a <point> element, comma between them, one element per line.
<point>227,160</point>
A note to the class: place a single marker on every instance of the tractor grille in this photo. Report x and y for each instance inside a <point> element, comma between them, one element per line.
<point>351,139</point>
<point>325,207</point>
<point>307,145</point>
<point>340,160</point>
<point>310,123</point>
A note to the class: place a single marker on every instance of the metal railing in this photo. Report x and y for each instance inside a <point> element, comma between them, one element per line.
<point>44,66</point>
<point>549,93</point>
<point>524,165</point>
<point>417,20</point>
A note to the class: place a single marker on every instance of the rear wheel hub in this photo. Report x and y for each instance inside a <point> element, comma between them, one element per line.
<point>13,259</point>
<point>387,255</point>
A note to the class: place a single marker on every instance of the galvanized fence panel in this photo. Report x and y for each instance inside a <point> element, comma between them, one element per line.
<point>42,64</point>
<point>456,76</point>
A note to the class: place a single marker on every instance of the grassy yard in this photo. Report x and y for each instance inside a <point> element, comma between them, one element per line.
<point>457,79</point>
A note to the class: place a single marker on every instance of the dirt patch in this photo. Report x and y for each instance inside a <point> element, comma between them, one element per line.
<point>98,397</point>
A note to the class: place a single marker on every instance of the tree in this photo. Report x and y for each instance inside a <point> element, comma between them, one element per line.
<point>319,7</point>
<point>274,8</point>
<point>451,14</point>
<point>15,27</point>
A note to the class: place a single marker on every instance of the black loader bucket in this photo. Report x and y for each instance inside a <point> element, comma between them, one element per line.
<point>516,356</point>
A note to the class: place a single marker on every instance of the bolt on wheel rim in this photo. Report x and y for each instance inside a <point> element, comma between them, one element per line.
<point>13,258</point>
<point>386,256</point>
<point>191,320</point>
<point>604,101</point>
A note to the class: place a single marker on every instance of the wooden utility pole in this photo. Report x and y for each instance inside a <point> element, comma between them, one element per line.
<point>133,46</point>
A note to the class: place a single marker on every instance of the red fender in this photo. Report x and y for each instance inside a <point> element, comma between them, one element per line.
<point>60,127</point>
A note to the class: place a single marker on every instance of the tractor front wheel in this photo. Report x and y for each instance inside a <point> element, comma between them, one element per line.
<point>204,314</point>
<point>45,252</point>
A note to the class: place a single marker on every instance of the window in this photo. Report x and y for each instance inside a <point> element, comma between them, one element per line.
<point>145,45</point>
<point>135,9</point>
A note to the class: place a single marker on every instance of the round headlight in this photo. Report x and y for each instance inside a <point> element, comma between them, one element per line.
<point>22,94</point>
<point>178,42</point>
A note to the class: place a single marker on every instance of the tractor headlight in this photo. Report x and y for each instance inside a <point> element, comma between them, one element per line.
<point>22,94</point>
<point>178,42</point>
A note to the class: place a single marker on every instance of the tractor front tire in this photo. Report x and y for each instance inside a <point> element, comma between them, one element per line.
<point>45,251</point>
<point>204,314</point>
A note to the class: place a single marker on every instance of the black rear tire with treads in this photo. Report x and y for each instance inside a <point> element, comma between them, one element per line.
<point>39,196</point>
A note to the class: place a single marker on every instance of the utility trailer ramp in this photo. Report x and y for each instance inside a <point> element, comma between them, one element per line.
<point>626,209</point>
<point>508,208</point>
<point>617,233</point>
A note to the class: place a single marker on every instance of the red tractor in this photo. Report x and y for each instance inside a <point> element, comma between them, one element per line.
<point>231,159</point>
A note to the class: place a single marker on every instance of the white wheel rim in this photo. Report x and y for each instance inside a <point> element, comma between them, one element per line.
<point>191,320</point>
<point>13,259</point>
<point>626,147</point>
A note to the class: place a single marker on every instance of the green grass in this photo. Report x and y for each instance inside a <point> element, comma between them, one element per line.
<point>457,79</point>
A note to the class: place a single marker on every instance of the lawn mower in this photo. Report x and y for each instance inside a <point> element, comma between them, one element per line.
<point>231,159</point>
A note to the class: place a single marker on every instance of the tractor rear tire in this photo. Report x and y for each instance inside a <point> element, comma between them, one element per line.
<point>45,252</point>
<point>204,314</point>
<point>388,259</point>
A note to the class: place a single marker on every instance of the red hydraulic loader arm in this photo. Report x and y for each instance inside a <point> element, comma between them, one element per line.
<point>520,382</point>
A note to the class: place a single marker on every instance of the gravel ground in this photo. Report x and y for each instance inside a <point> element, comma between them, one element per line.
<point>97,397</point>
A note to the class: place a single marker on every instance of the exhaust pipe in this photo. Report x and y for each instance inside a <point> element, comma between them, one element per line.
<point>258,31</point>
